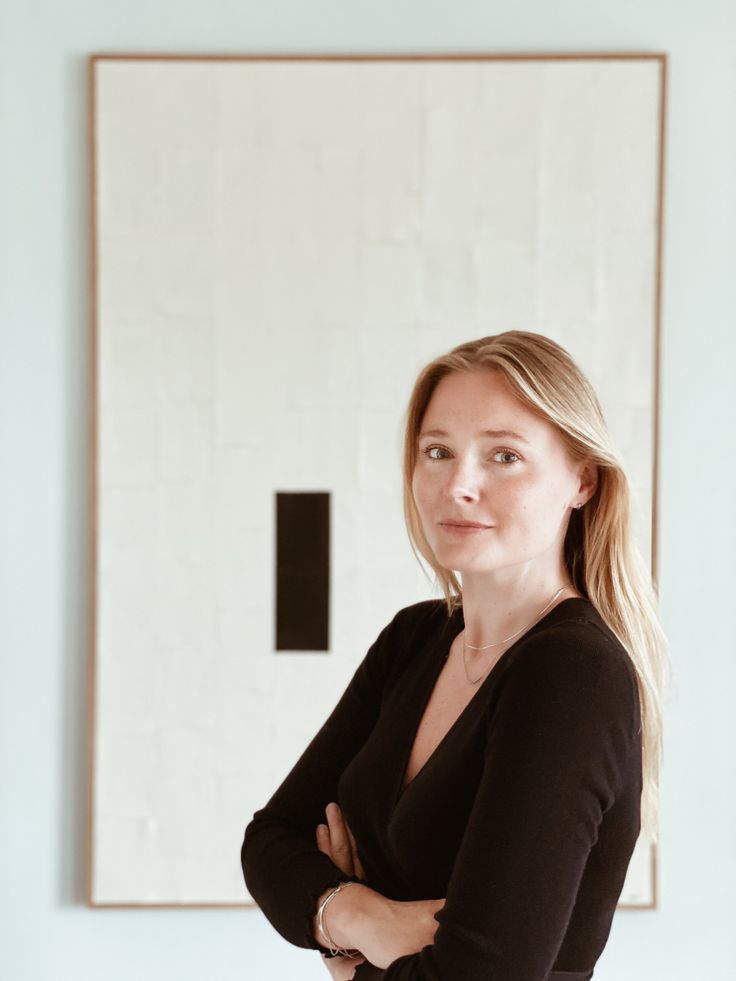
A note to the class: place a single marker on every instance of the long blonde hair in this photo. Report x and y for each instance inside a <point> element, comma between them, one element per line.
<point>602,558</point>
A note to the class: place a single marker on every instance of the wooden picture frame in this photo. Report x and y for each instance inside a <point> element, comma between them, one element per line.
<point>280,242</point>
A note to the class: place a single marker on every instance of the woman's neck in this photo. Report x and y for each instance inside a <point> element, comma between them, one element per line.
<point>494,612</point>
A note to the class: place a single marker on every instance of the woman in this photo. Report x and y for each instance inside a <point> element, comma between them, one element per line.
<point>491,763</point>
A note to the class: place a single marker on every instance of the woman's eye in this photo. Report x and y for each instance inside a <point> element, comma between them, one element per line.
<point>429,449</point>
<point>507,453</point>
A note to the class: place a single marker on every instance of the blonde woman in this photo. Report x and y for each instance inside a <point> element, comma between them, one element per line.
<point>469,809</point>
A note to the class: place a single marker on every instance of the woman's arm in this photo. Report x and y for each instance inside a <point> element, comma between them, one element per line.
<point>404,928</point>
<point>284,871</point>
<point>336,840</point>
<point>359,917</point>
<point>561,739</point>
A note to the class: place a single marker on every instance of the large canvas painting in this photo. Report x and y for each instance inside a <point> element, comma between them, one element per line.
<point>279,245</point>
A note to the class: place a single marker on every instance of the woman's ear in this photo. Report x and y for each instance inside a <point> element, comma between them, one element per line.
<point>588,474</point>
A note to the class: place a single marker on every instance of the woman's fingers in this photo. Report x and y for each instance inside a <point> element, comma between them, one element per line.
<point>342,852</point>
<point>356,860</point>
<point>342,968</point>
<point>337,841</point>
<point>323,839</point>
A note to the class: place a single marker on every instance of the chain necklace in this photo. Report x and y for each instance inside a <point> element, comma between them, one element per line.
<point>499,642</point>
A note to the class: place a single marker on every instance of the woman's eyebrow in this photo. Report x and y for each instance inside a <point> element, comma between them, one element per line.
<point>493,433</point>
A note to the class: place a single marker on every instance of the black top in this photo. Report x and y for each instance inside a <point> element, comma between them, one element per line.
<point>524,817</point>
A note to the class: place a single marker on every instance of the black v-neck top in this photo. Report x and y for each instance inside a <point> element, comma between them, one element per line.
<point>524,818</point>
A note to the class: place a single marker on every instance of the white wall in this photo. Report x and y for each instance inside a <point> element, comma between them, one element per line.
<point>45,930</point>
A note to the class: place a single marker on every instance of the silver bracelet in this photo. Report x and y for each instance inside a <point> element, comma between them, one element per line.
<point>334,949</point>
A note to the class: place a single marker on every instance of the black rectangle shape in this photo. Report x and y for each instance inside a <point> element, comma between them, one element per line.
<point>302,570</point>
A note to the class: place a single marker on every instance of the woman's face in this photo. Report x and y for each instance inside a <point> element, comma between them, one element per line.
<point>485,457</point>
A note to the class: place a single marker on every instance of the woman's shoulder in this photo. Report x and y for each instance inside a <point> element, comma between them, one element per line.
<point>411,631</point>
<point>430,612</point>
<point>577,627</point>
<point>574,651</point>
<point>417,622</point>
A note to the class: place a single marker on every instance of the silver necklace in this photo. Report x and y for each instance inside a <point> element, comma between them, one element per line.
<point>499,642</point>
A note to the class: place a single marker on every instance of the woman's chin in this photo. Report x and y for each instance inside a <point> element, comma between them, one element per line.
<point>459,557</point>
<point>453,563</point>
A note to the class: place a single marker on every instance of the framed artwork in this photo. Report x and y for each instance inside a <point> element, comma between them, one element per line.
<point>279,245</point>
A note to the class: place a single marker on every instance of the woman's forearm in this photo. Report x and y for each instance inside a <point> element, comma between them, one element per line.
<point>382,929</point>
<point>346,914</point>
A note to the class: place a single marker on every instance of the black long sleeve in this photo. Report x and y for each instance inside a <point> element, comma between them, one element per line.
<point>524,817</point>
<point>283,869</point>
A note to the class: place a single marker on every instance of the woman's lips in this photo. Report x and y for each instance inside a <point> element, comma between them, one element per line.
<point>464,529</point>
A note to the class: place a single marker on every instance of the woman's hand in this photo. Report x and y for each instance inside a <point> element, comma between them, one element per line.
<point>342,968</point>
<point>389,929</point>
<point>392,929</point>
<point>336,840</point>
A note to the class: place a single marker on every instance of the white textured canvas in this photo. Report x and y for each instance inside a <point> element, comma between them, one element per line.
<point>280,247</point>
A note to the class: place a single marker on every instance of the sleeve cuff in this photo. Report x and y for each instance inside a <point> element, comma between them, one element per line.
<point>368,972</point>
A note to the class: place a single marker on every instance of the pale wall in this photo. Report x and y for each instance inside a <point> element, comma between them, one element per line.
<point>46,933</point>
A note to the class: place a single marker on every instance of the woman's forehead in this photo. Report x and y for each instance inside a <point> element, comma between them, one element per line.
<point>483,404</point>
<point>484,398</point>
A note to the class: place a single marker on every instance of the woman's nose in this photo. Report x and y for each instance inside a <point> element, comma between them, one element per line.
<point>463,480</point>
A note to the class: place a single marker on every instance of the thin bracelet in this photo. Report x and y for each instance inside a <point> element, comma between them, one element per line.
<point>334,949</point>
